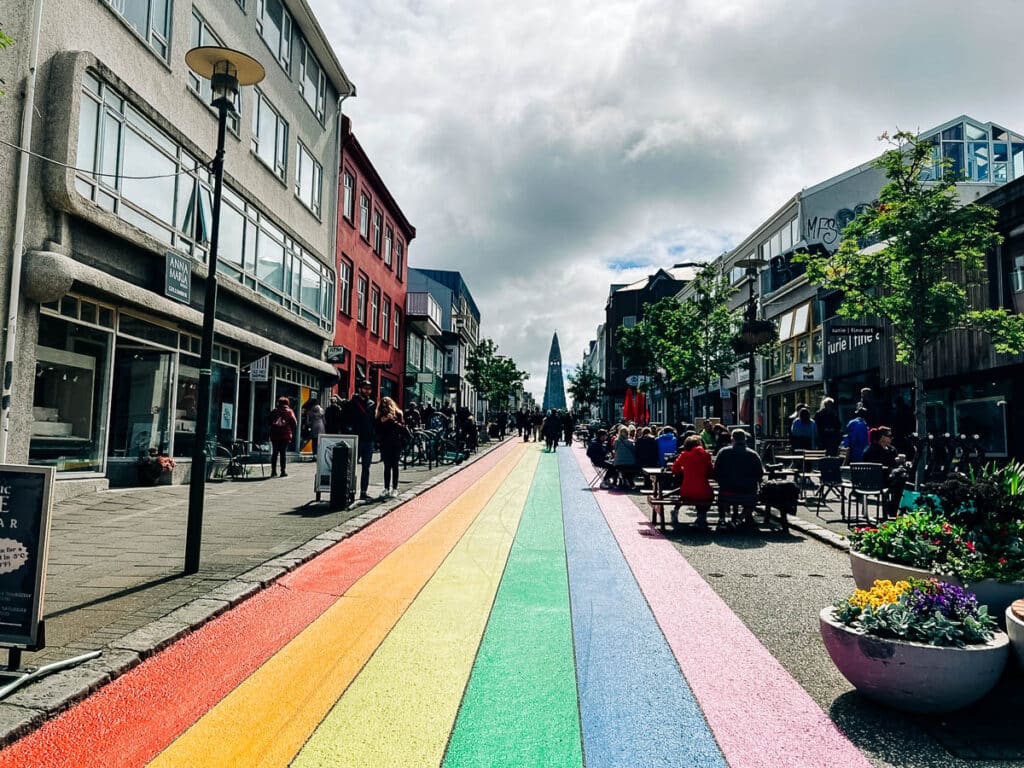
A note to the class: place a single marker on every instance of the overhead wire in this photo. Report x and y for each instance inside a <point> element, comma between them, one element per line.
<point>90,172</point>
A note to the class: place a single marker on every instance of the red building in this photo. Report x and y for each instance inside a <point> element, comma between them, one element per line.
<point>373,263</point>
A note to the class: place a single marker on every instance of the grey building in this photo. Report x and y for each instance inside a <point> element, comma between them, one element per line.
<point>118,196</point>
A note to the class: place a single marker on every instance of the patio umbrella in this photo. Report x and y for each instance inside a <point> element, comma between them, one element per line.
<point>641,409</point>
<point>629,407</point>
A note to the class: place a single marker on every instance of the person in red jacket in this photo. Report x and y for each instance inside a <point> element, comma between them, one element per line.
<point>282,433</point>
<point>694,464</point>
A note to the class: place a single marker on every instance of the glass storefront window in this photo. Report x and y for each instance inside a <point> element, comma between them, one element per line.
<point>140,404</point>
<point>185,405</point>
<point>70,395</point>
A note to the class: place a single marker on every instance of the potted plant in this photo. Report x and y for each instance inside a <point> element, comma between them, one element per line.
<point>153,467</point>
<point>969,531</point>
<point>916,645</point>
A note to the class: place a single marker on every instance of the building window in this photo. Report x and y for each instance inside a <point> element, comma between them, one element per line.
<point>203,35</point>
<point>308,180</point>
<point>348,199</point>
<point>116,143</point>
<point>396,333</point>
<point>312,81</point>
<point>361,284</point>
<point>377,222</point>
<point>150,18</point>
<point>275,27</point>
<point>399,260</point>
<point>375,310</point>
<point>389,237</point>
<point>345,286</point>
<point>364,217</point>
<point>269,135</point>
<point>385,320</point>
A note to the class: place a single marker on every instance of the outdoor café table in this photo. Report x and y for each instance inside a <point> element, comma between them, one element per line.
<point>661,493</point>
<point>800,464</point>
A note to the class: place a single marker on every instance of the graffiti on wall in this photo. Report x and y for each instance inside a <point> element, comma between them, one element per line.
<point>827,230</point>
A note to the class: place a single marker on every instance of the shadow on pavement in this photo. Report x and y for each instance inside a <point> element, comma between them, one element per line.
<point>116,595</point>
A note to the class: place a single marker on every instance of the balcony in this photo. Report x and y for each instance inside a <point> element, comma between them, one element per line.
<point>423,314</point>
<point>466,327</point>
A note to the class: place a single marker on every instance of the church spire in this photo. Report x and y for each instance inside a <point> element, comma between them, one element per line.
<point>554,389</point>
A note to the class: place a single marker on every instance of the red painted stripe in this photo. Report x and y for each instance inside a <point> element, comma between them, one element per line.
<point>128,722</point>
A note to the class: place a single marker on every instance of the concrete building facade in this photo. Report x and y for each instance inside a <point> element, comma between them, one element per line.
<point>117,205</point>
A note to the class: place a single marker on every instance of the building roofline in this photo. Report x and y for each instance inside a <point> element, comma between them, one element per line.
<point>351,144</point>
<point>321,45</point>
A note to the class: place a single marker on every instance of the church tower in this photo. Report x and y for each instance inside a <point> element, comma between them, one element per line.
<point>554,389</point>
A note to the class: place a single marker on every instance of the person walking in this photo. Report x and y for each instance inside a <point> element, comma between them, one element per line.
<point>359,415</point>
<point>334,416</point>
<point>551,429</point>
<point>316,423</point>
<point>282,433</point>
<point>391,431</point>
<point>829,427</point>
<point>857,435</point>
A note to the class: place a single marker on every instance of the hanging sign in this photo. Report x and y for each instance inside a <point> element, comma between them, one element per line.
<point>25,503</point>
<point>635,380</point>
<point>178,277</point>
<point>336,355</point>
<point>259,369</point>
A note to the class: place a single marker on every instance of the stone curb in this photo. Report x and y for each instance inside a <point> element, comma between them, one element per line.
<point>821,534</point>
<point>29,707</point>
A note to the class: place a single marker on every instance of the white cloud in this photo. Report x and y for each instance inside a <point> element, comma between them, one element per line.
<point>536,144</point>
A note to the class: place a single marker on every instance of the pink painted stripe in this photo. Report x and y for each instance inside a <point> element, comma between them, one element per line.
<point>759,714</point>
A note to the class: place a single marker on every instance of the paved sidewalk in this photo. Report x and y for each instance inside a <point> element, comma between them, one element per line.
<point>115,583</point>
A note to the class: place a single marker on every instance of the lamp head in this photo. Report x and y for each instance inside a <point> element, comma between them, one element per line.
<point>226,69</point>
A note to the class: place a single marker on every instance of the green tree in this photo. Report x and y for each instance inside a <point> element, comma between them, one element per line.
<point>928,249</point>
<point>493,376</point>
<point>585,388</point>
<point>710,328</point>
<point>654,348</point>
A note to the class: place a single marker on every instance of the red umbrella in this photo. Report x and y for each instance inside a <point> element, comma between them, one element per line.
<point>641,409</point>
<point>629,407</point>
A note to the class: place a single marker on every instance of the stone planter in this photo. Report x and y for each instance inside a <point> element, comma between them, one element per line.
<point>1015,629</point>
<point>997,595</point>
<point>914,677</point>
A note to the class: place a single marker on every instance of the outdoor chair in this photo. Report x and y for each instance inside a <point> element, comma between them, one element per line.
<point>830,482</point>
<point>867,482</point>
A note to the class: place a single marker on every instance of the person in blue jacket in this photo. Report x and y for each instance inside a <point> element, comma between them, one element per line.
<point>857,434</point>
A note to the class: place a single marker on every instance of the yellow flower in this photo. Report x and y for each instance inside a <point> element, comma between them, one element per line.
<point>883,592</point>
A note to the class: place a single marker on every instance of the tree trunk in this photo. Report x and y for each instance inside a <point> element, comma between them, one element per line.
<point>920,418</point>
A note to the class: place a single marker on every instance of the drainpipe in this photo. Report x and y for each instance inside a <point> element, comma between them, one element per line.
<point>18,245</point>
<point>338,146</point>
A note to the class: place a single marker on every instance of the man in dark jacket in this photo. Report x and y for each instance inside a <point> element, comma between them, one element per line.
<point>738,470</point>
<point>358,420</point>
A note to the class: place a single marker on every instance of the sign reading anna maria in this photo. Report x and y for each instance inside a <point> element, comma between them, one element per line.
<point>25,500</point>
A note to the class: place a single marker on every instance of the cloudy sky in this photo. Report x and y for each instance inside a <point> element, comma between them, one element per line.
<point>549,148</point>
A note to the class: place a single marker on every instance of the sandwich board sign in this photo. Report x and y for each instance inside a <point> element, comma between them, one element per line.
<point>325,460</point>
<point>25,505</point>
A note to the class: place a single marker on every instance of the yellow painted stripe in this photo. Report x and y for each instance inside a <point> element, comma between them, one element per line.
<point>401,708</point>
<point>265,721</point>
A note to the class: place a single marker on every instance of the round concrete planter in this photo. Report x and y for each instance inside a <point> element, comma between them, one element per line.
<point>914,677</point>
<point>1015,629</point>
<point>997,595</point>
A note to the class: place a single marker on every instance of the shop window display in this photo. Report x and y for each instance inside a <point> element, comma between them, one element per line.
<point>69,396</point>
<point>140,401</point>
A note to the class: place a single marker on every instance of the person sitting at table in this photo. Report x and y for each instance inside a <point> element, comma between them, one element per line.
<point>597,452</point>
<point>694,464</point>
<point>625,458</point>
<point>738,470</point>
<point>647,449</point>
<point>803,434</point>
<point>722,437</point>
<point>667,444</point>
<point>881,451</point>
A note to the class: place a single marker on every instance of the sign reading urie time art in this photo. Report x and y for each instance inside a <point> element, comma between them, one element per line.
<point>25,501</point>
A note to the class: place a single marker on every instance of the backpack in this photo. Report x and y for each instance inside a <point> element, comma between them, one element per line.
<point>280,421</point>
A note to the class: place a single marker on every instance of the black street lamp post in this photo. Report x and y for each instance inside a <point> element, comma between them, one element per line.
<point>226,70</point>
<point>753,334</point>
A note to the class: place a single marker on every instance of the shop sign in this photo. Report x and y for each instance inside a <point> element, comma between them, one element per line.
<point>424,378</point>
<point>807,372</point>
<point>177,277</point>
<point>856,330</point>
<point>259,369</point>
<point>844,338</point>
<point>336,355</point>
<point>635,380</point>
<point>25,503</point>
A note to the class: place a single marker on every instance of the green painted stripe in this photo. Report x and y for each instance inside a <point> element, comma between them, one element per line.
<point>520,707</point>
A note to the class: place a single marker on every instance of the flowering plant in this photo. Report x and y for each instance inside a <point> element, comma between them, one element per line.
<point>925,611</point>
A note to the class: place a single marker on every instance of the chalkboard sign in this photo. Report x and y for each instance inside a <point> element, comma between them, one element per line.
<point>25,501</point>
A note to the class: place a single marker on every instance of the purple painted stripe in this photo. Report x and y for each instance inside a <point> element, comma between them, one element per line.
<point>759,714</point>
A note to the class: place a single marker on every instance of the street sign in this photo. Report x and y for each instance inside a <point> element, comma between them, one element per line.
<point>25,503</point>
<point>259,369</point>
<point>336,355</point>
<point>177,277</point>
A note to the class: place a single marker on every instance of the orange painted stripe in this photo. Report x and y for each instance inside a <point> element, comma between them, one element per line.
<point>129,721</point>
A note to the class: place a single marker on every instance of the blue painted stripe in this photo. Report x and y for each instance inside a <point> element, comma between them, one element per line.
<point>635,706</point>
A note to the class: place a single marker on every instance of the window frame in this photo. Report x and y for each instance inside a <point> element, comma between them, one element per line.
<point>362,290</point>
<point>378,231</point>
<point>158,41</point>
<point>364,216</point>
<point>389,239</point>
<point>280,165</point>
<point>348,210</point>
<point>385,319</point>
<point>200,87</point>
<point>315,204</point>
<point>319,108</point>
<point>396,319</point>
<point>345,286</point>
<point>399,259</point>
<point>283,54</point>
<point>375,309</point>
